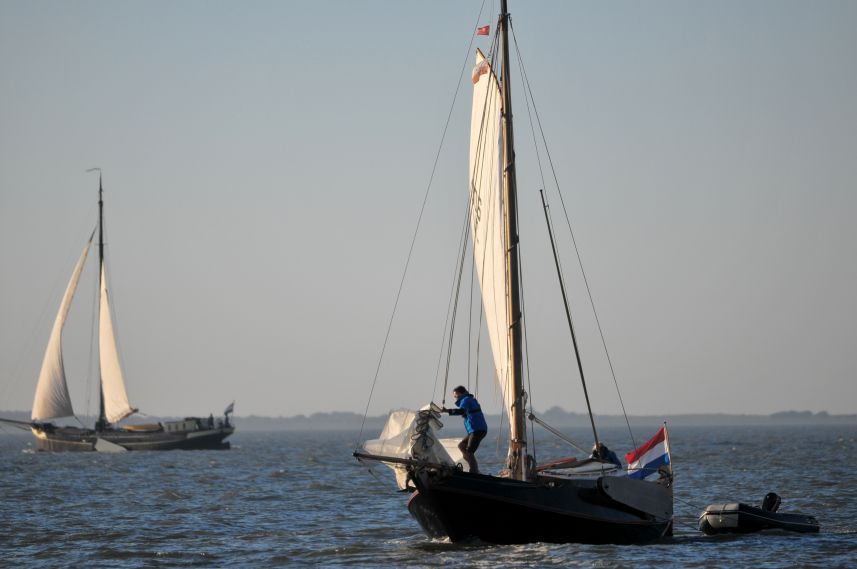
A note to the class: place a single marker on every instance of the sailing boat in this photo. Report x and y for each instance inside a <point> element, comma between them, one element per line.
<point>52,399</point>
<point>593,500</point>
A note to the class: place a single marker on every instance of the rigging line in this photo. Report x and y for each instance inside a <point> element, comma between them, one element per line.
<point>470,329</point>
<point>417,228</point>
<point>476,175</point>
<point>529,113</point>
<point>526,346</point>
<point>447,328</point>
<point>541,170</point>
<point>479,344</point>
<point>465,240</point>
<point>453,306</point>
<point>573,240</point>
<point>468,214</point>
<point>568,316</point>
<point>557,433</point>
<point>686,503</point>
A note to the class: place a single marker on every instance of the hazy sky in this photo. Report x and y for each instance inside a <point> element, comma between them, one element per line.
<point>264,165</point>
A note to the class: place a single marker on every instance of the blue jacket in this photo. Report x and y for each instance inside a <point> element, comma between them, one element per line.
<point>468,406</point>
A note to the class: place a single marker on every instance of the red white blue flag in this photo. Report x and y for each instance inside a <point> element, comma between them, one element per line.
<point>650,457</point>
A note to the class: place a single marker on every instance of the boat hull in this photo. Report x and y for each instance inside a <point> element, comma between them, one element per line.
<point>458,505</point>
<point>743,518</point>
<point>72,439</point>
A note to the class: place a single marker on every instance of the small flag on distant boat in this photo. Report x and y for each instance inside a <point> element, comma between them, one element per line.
<point>649,458</point>
<point>229,408</point>
<point>483,31</point>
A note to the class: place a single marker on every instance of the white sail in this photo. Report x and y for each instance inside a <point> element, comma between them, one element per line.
<point>116,406</point>
<point>486,217</point>
<point>52,399</point>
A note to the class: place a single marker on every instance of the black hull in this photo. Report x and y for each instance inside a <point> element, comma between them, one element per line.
<point>71,439</point>
<point>743,518</point>
<point>458,505</point>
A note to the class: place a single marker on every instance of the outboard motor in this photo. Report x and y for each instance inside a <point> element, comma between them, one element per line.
<point>771,502</point>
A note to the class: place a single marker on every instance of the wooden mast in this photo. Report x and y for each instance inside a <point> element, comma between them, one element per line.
<point>518,443</point>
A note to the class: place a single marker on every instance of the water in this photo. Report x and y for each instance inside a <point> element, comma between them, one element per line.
<point>294,499</point>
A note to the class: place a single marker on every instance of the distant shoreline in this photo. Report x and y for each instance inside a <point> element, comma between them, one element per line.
<point>555,416</point>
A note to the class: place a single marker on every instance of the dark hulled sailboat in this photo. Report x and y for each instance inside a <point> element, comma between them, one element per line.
<point>587,501</point>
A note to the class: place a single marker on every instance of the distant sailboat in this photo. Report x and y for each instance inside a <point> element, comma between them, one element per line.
<point>52,399</point>
<point>593,500</point>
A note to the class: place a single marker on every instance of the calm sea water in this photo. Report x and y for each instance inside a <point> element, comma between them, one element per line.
<point>293,499</point>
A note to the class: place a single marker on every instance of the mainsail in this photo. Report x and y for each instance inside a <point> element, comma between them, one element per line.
<point>116,406</point>
<point>52,398</point>
<point>486,218</point>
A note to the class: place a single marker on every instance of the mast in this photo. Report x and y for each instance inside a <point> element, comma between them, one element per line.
<point>102,419</point>
<point>518,443</point>
<point>113,398</point>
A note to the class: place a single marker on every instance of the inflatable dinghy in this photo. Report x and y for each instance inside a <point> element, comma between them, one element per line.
<point>743,518</point>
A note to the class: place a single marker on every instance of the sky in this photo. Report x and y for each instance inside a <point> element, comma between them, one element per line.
<point>265,164</point>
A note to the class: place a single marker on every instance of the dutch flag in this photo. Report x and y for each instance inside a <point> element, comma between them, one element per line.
<point>646,460</point>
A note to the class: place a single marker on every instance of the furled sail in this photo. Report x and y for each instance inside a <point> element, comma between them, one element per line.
<point>52,399</point>
<point>413,435</point>
<point>116,406</point>
<point>486,217</point>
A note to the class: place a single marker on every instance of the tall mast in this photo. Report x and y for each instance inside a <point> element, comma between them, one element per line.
<point>102,419</point>
<point>518,444</point>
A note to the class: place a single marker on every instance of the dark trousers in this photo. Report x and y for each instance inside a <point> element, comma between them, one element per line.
<point>468,446</point>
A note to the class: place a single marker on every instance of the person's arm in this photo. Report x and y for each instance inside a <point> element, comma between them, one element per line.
<point>453,411</point>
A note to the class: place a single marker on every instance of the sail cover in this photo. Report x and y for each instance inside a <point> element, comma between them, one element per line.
<point>52,399</point>
<point>116,406</point>
<point>486,217</point>
<point>413,435</point>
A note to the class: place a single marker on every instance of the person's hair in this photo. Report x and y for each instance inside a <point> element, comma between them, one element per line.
<point>460,389</point>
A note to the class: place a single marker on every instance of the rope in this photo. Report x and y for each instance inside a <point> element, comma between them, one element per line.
<point>417,228</point>
<point>455,294</point>
<point>470,332</point>
<point>557,433</point>
<point>528,90</point>
<point>479,350</point>
<point>526,348</point>
<point>686,503</point>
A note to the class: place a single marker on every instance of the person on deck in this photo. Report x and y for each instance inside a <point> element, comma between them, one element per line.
<point>600,451</point>
<point>474,422</point>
